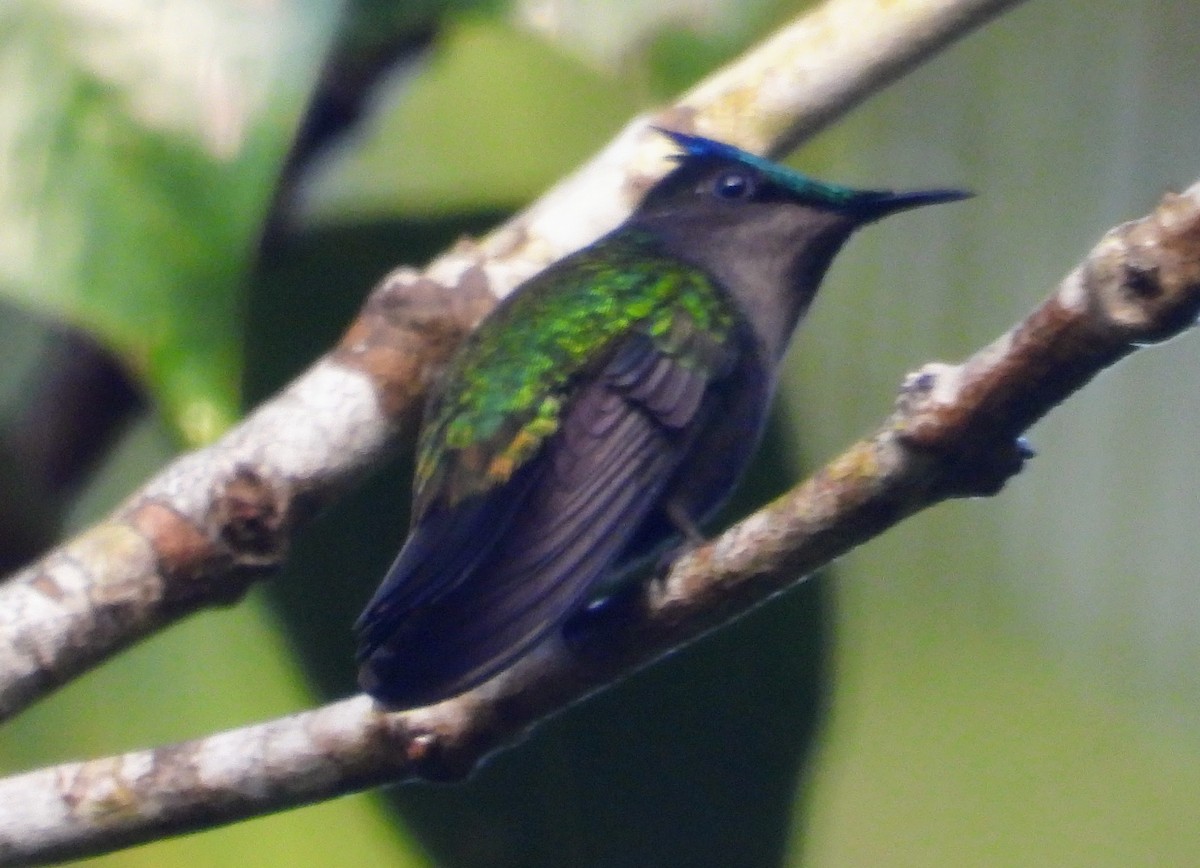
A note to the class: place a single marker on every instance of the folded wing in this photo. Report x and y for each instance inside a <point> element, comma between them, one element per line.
<point>480,582</point>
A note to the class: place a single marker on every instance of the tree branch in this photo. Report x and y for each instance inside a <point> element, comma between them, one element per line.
<point>954,432</point>
<point>220,518</point>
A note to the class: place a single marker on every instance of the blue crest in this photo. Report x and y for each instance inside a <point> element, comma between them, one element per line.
<point>797,182</point>
<point>868,204</point>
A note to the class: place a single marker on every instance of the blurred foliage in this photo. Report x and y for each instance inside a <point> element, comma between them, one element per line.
<point>139,159</point>
<point>449,146</point>
<point>1010,682</point>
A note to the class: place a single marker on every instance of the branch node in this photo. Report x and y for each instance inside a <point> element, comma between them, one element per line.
<point>250,517</point>
<point>437,757</point>
<point>964,459</point>
<point>1143,278</point>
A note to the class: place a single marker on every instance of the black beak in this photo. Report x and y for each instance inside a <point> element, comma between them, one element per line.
<point>871,205</point>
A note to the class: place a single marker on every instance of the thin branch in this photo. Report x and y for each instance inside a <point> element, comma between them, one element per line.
<point>955,432</point>
<point>220,518</point>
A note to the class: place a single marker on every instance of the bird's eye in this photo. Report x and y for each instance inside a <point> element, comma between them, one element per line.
<point>734,185</point>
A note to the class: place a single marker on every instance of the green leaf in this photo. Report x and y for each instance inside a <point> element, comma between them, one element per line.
<point>139,145</point>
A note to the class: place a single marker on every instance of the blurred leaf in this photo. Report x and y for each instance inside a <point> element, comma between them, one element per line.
<point>367,22</point>
<point>495,119</point>
<point>677,58</point>
<point>139,144</point>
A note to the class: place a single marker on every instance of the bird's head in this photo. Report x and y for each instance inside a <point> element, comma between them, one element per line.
<point>765,231</point>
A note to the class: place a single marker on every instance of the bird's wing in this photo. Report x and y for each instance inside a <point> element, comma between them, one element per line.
<point>480,582</point>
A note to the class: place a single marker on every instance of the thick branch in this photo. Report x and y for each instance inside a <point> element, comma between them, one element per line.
<point>952,433</point>
<point>219,518</point>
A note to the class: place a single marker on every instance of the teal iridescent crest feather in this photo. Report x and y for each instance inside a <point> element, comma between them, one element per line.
<point>700,148</point>
<point>601,413</point>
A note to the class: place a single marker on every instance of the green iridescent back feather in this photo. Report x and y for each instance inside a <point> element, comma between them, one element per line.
<point>507,388</point>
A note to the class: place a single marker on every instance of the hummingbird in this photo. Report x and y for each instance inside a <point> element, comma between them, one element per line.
<point>602,413</point>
